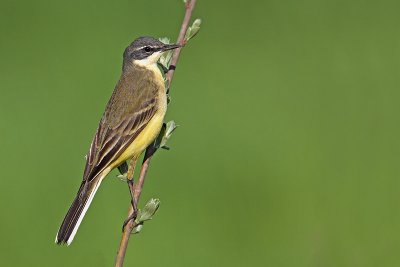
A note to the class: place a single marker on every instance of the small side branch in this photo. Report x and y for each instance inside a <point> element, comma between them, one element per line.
<point>181,40</point>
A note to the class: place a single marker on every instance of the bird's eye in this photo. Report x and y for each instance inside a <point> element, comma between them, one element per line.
<point>147,49</point>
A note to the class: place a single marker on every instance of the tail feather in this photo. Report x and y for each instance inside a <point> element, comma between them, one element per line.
<point>77,211</point>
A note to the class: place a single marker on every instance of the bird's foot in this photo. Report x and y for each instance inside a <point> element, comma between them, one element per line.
<point>131,217</point>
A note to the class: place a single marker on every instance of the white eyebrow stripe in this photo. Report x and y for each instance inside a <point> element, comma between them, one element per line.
<point>140,48</point>
<point>153,47</point>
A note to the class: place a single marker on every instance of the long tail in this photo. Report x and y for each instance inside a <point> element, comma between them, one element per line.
<point>77,211</point>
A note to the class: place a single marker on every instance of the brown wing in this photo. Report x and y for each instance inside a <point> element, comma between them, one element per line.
<point>127,114</point>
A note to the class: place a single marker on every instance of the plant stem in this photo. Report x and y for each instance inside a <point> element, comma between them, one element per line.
<point>181,39</point>
<point>138,186</point>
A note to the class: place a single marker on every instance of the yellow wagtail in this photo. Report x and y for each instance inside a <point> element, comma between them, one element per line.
<point>131,121</point>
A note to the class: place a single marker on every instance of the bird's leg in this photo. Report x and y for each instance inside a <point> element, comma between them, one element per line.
<point>129,176</point>
<point>131,186</point>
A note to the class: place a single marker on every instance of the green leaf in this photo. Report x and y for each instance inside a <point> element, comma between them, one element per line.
<point>193,30</point>
<point>123,168</point>
<point>164,40</point>
<point>137,229</point>
<point>122,177</point>
<point>165,59</point>
<point>160,136</point>
<point>148,211</point>
<point>169,129</point>
<point>165,134</point>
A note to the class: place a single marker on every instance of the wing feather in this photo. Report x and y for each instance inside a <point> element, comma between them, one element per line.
<point>120,125</point>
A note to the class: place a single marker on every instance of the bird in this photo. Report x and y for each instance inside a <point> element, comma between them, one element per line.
<point>132,119</point>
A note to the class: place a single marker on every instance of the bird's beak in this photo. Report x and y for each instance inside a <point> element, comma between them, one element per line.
<point>170,47</point>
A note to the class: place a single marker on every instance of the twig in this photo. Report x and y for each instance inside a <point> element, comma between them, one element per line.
<point>150,151</point>
<point>181,40</point>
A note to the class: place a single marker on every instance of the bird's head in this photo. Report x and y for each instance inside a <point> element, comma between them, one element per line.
<point>146,51</point>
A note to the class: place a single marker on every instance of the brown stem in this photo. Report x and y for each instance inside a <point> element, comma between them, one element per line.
<point>181,39</point>
<point>150,151</point>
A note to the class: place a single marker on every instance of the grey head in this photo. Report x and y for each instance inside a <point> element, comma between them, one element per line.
<point>144,47</point>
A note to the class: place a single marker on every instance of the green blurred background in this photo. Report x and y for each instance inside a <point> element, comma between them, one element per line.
<point>287,154</point>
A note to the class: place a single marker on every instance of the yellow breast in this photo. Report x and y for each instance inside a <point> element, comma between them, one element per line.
<point>152,129</point>
<point>144,139</point>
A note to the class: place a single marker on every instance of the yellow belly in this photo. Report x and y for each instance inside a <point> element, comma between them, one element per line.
<point>145,138</point>
<point>150,132</point>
